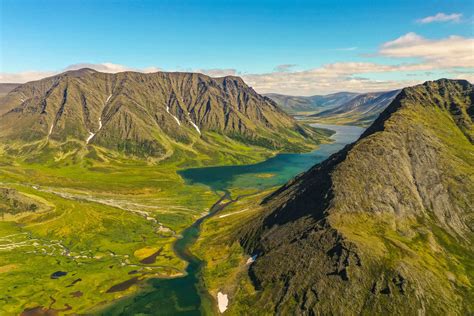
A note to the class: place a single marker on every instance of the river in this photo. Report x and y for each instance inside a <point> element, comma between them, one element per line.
<point>186,295</point>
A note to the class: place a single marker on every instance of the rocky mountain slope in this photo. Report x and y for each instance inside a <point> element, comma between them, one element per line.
<point>385,226</point>
<point>295,104</point>
<point>145,114</point>
<point>361,110</point>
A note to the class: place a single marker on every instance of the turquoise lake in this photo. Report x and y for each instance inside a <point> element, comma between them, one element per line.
<point>282,167</point>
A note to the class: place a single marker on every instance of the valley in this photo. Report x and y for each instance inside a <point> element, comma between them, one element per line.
<point>98,226</point>
<point>189,294</point>
<point>112,233</point>
<point>267,158</point>
<point>124,213</point>
<point>103,219</point>
<point>254,158</point>
<point>343,108</point>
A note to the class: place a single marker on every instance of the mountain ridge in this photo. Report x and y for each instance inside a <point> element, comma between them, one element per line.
<point>383,226</point>
<point>361,110</point>
<point>135,113</point>
<point>295,104</point>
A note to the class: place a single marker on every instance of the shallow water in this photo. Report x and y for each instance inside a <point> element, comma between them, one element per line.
<point>175,296</point>
<point>274,171</point>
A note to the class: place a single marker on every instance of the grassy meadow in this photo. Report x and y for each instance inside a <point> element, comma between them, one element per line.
<point>107,220</point>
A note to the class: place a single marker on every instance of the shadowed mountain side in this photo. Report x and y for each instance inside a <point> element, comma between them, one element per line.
<point>383,226</point>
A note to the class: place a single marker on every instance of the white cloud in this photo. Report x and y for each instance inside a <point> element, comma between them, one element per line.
<point>329,78</point>
<point>346,49</point>
<point>444,55</point>
<point>25,76</point>
<point>441,17</point>
<point>21,77</point>
<point>417,59</point>
<point>453,51</point>
<point>217,72</point>
<point>110,68</point>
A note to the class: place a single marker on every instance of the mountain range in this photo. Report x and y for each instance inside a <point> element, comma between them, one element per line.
<point>339,108</point>
<point>146,114</point>
<point>295,104</point>
<point>385,226</point>
<point>362,110</point>
<point>5,88</point>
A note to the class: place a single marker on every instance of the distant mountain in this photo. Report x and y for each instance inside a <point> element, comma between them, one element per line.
<point>146,114</point>
<point>361,110</point>
<point>295,104</point>
<point>385,226</point>
<point>5,88</point>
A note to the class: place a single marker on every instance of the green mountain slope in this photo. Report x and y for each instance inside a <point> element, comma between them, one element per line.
<point>295,104</point>
<point>145,114</point>
<point>383,227</point>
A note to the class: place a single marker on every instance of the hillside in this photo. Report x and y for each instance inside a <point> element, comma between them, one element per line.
<point>361,110</point>
<point>146,114</point>
<point>295,104</point>
<point>384,226</point>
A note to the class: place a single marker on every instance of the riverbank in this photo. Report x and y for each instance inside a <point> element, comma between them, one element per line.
<point>194,291</point>
<point>186,292</point>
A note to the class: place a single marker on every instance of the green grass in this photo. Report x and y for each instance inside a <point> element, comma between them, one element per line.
<point>94,202</point>
<point>109,236</point>
<point>218,246</point>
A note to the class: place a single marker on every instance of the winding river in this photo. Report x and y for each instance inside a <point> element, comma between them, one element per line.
<point>186,295</point>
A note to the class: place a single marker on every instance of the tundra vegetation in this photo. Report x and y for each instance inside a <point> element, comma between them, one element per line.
<point>90,198</point>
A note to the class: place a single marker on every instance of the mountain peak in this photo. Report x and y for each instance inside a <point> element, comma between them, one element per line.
<point>380,222</point>
<point>79,72</point>
<point>126,111</point>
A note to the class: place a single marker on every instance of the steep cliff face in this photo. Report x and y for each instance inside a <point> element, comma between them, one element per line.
<point>137,113</point>
<point>384,226</point>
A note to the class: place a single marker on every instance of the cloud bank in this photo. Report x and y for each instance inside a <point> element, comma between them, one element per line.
<point>454,51</point>
<point>411,59</point>
<point>441,17</point>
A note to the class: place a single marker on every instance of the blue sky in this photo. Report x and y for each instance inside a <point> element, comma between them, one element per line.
<point>247,38</point>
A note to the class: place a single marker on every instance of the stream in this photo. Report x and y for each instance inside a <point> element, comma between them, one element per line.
<point>186,295</point>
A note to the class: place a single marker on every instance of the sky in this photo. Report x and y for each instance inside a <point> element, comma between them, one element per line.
<point>289,47</point>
